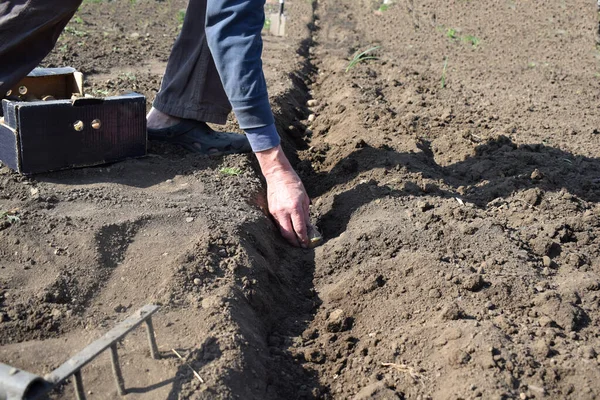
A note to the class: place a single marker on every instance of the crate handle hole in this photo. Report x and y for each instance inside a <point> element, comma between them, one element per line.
<point>96,124</point>
<point>78,125</point>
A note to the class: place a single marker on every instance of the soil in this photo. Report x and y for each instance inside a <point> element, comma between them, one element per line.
<point>455,177</point>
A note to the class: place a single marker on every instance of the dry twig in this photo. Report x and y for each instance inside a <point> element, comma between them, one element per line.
<point>197,375</point>
<point>406,369</point>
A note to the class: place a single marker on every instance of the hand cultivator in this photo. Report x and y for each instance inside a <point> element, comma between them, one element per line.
<point>16,384</point>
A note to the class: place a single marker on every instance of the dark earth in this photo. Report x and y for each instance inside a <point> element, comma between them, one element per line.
<point>455,178</point>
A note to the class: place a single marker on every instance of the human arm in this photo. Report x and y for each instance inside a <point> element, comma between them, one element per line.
<point>287,198</point>
<point>233,32</point>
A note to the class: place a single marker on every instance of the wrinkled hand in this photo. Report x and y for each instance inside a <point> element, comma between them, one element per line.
<point>286,196</point>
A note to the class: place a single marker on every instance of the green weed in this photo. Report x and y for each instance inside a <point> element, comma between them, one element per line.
<point>383,7</point>
<point>231,171</point>
<point>75,32</point>
<point>443,80</point>
<point>11,216</point>
<point>473,40</point>
<point>451,33</point>
<point>267,25</point>
<point>77,20</point>
<point>180,18</point>
<point>101,92</point>
<point>129,76</point>
<point>360,57</point>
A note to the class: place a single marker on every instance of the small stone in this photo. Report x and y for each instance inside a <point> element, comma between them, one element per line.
<point>546,321</point>
<point>536,175</point>
<point>473,283</point>
<point>548,262</point>
<point>120,308</point>
<point>523,396</point>
<point>338,322</point>
<point>314,356</point>
<point>197,281</point>
<point>312,103</point>
<point>311,118</point>
<point>424,206</point>
<point>189,219</point>
<point>541,348</point>
<point>452,312</point>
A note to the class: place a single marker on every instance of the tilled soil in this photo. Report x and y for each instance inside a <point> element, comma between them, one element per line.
<point>455,178</point>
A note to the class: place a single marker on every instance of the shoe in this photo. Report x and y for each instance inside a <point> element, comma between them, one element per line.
<point>198,137</point>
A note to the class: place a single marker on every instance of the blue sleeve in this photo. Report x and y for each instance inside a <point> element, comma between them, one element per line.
<point>233,33</point>
<point>262,139</point>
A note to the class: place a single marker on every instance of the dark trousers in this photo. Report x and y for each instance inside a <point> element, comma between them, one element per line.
<point>192,85</point>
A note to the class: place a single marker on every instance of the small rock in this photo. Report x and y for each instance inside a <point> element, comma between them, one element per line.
<point>197,281</point>
<point>338,322</point>
<point>523,396</point>
<point>546,321</point>
<point>311,118</point>
<point>120,308</point>
<point>541,348</point>
<point>548,262</point>
<point>473,283</point>
<point>424,206</point>
<point>536,175</point>
<point>459,357</point>
<point>189,219</point>
<point>312,103</point>
<point>452,312</point>
<point>314,356</point>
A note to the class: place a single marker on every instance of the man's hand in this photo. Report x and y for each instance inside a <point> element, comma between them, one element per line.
<point>287,198</point>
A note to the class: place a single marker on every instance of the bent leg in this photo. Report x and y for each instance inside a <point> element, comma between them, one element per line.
<point>191,87</point>
<point>29,30</point>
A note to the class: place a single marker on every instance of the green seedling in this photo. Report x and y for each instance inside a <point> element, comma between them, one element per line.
<point>364,56</point>
<point>267,25</point>
<point>77,20</point>
<point>11,216</point>
<point>181,17</point>
<point>75,32</point>
<point>101,92</point>
<point>383,7</point>
<point>472,40</point>
<point>443,80</point>
<point>231,171</point>
<point>451,33</point>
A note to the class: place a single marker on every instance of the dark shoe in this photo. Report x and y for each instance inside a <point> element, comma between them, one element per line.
<point>198,137</point>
